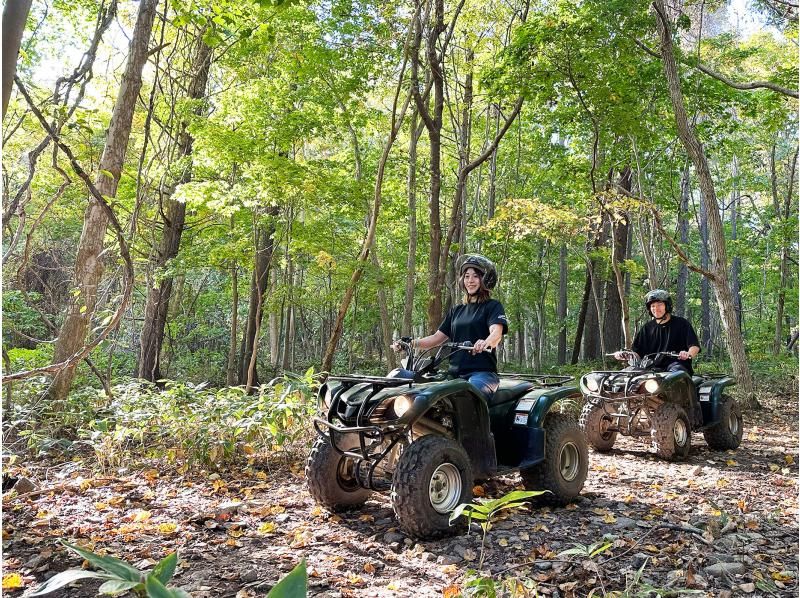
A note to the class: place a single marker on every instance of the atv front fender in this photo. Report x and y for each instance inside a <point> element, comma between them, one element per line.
<point>471,414</point>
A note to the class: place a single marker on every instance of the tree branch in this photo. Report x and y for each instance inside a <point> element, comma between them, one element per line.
<point>123,250</point>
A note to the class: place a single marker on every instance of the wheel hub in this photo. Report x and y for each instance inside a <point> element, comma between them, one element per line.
<point>680,432</point>
<point>569,461</point>
<point>445,488</point>
<point>733,424</point>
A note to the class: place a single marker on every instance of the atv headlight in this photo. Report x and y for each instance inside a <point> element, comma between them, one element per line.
<point>591,384</point>
<point>651,385</point>
<point>402,404</point>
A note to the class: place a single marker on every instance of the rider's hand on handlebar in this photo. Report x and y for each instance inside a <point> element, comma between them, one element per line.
<point>480,346</point>
<point>621,355</point>
<point>401,344</point>
<point>684,355</point>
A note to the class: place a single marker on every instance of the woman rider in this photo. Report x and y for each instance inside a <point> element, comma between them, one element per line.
<point>479,319</point>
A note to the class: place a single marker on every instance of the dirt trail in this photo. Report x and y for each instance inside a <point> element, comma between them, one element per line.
<point>237,533</point>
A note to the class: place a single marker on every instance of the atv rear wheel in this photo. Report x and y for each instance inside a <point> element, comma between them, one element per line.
<point>671,432</point>
<point>566,461</point>
<point>595,422</point>
<point>727,434</point>
<point>432,477</point>
<point>331,478</point>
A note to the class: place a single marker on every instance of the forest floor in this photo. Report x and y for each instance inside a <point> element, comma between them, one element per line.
<point>238,532</point>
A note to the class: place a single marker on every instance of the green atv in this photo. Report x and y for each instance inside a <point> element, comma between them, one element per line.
<point>644,401</point>
<point>425,438</point>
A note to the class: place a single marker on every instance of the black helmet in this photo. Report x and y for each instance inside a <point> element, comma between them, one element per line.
<point>480,263</point>
<point>658,295</point>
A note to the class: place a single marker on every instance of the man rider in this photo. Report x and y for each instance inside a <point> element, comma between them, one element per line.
<point>665,332</point>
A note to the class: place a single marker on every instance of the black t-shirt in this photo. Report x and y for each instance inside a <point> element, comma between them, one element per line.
<point>470,322</point>
<point>675,335</point>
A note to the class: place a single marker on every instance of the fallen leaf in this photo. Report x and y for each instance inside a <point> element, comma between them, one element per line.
<point>469,555</point>
<point>141,516</point>
<point>789,459</point>
<point>502,542</point>
<point>393,585</point>
<point>610,518</point>
<point>12,581</point>
<point>167,528</point>
<point>248,449</point>
<point>451,591</point>
<point>478,490</point>
<point>731,463</point>
<point>100,506</point>
<point>261,475</point>
<point>367,518</point>
<point>267,527</point>
<point>369,568</point>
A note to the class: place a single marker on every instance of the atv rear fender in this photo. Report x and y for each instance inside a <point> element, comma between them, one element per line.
<point>527,432</point>
<point>710,394</point>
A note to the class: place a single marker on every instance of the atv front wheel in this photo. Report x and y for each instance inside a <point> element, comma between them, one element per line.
<point>565,464</point>
<point>595,422</point>
<point>727,434</point>
<point>432,477</point>
<point>331,478</point>
<point>671,432</point>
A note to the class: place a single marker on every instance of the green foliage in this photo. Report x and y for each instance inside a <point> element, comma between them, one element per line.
<point>194,426</point>
<point>485,511</point>
<point>120,576</point>
<point>587,552</point>
<point>20,317</point>
<point>294,585</point>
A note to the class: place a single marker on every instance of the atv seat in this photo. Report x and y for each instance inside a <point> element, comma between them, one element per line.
<point>510,390</point>
<point>698,380</point>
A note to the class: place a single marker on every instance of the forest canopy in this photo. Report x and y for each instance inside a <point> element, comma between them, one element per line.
<point>221,192</point>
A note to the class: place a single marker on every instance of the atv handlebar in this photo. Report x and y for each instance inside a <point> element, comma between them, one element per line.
<point>634,360</point>
<point>416,363</point>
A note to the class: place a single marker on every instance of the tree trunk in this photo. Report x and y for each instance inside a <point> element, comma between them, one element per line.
<point>264,243</point>
<point>617,320</point>
<point>230,378</point>
<point>288,338</point>
<point>592,343</point>
<point>383,306</point>
<point>683,229</point>
<point>411,258</point>
<point>706,336</point>
<point>561,312</point>
<point>433,122</point>
<point>15,13</point>
<point>786,242</point>
<point>88,263</point>
<point>495,110</point>
<point>174,218</point>
<point>736,288</point>
<point>717,250</point>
